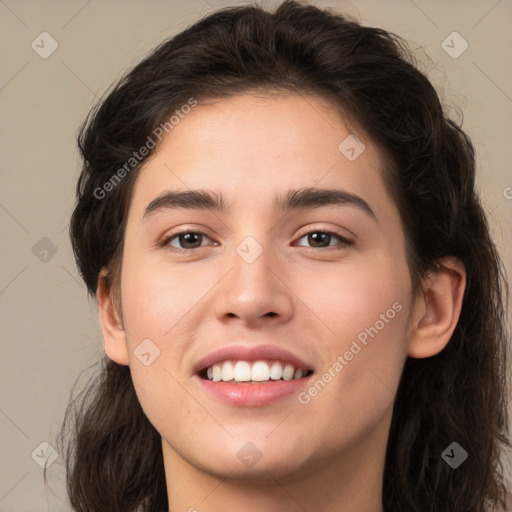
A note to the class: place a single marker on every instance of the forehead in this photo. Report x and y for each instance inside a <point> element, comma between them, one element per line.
<point>258,147</point>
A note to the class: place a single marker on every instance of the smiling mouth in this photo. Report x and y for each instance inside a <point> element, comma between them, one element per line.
<point>253,372</point>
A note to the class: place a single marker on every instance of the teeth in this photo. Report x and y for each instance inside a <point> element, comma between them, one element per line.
<point>298,374</point>
<point>242,371</point>
<point>276,371</point>
<point>227,371</point>
<point>216,375</point>
<point>288,372</point>
<point>258,371</point>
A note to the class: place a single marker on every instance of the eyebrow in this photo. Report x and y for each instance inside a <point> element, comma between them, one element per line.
<point>298,199</point>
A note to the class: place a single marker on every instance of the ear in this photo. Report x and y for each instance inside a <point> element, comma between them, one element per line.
<point>437,309</point>
<point>114,336</point>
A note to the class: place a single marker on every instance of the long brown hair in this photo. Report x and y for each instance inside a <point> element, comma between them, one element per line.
<point>113,453</point>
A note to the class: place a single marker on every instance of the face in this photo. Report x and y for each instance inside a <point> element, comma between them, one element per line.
<point>320,286</point>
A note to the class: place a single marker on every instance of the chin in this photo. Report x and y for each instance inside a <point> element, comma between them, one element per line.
<point>251,457</point>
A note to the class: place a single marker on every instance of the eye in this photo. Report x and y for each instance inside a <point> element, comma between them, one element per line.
<point>188,240</point>
<point>321,239</point>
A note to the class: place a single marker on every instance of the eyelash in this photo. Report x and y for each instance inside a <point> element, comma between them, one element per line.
<point>343,241</point>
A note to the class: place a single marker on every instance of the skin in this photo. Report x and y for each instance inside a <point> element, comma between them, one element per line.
<point>327,454</point>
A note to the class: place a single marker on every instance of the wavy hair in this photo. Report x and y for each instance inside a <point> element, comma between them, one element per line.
<point>113,453</point>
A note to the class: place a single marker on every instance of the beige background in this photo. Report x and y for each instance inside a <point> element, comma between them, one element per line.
<point>49,330</point>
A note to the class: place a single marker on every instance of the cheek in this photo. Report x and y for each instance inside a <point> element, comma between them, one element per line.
<point>366,311</point>
<point>350,296</point>
<point>157,296</point>
<point>160,397</point>
<point>378,310</point>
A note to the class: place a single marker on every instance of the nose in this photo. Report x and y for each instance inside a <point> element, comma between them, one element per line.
<point>256,291</point>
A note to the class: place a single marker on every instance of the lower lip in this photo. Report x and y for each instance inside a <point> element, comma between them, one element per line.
<point>252,395</point>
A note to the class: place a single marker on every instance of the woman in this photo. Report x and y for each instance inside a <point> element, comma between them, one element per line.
<point>301,304</point>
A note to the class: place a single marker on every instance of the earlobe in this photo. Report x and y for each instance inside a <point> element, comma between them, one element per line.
<point>114,335</point>
<point>437,309</point>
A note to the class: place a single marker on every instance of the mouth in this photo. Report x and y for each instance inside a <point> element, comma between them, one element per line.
<point>253,372</point>
<point>252,376</point>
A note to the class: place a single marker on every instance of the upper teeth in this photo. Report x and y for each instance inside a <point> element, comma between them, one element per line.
<point>244,371</point>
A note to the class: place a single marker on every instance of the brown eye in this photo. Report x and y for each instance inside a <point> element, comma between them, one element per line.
<point>321,239</point>
<point>187,240</point>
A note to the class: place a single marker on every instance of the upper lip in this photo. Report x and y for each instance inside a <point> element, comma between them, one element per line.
<point>251,353</point>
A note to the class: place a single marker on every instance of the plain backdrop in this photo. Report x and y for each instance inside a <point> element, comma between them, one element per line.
<point>49,328</point>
